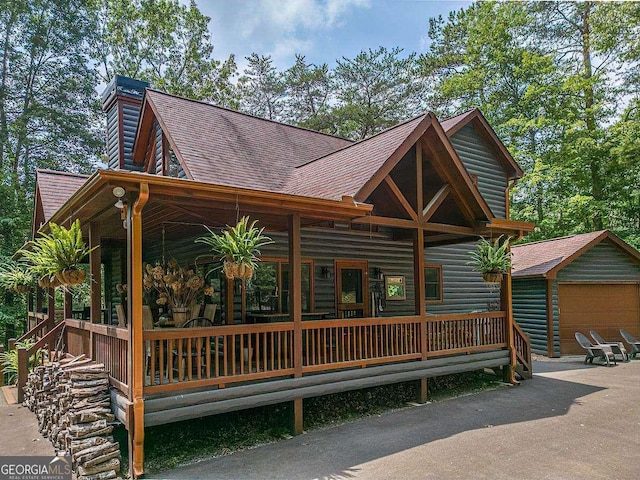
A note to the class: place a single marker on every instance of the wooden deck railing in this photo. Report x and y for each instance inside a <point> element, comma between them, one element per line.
<point>102,343</point>
<point>522,345</point>
<point>194,357</point>
<point>217,356</point>
<point>38,324</point>
<point>329,344</point>
<point>465,332</point>
<point>43,348</point>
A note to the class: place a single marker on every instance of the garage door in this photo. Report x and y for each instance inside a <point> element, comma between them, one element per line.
<point>604,308</point>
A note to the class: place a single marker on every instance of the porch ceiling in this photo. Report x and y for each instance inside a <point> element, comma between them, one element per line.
<point>194,204</point>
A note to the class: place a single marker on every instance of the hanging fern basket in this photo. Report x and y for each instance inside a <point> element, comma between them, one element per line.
<point>71,276</point>
<point>491,277</point>
<point>48,281</point>
<point>243,271</point>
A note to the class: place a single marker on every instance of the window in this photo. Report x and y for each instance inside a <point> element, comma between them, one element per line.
<point>268,291</point>
<point>433,283</point>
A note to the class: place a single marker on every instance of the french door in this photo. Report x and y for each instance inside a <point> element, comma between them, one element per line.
<point>352,289</point>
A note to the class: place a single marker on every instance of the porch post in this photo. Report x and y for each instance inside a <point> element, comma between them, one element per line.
<point>136,341</point>
<point>295,310</point>
<point>95,274</point>
<point>38,306</point>
<point>51,308</point>
<point>68,305</point>
<point>505,289</point>
<point>420,302</point>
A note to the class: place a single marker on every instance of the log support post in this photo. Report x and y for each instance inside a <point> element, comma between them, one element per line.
<point>51,308</point>
<point>23,372</point>
<point>95,273</point>
<point>136,340</point>
<point>295,310</point>
<point>507,306</point>
<point>418,269</point>
<point>420,303</point>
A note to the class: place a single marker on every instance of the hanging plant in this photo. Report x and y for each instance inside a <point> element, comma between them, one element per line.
<point>238,247</point>
<point>493,260</point>
<point>15,277</point>
<point>56,257</point>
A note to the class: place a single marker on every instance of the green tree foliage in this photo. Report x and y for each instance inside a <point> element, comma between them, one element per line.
<point>48,111</point>
<point>308,90</point>
<point>549,77</point>
<point>374,91</point>
<point>262,88</point>
<point>165,43</point>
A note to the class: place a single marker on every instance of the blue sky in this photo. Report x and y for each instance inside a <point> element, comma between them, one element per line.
<point>322,30</point>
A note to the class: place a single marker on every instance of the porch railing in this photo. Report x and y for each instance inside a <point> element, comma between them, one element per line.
<point>222,355</point>
<point>522,345</point>
<point>38,325</point>
<point>195,357</point>
<point>102,343</point>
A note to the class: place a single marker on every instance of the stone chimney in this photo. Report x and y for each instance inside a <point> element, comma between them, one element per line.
<point>121,101</point>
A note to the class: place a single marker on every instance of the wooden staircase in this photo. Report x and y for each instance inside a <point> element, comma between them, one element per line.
<point>522,344</point>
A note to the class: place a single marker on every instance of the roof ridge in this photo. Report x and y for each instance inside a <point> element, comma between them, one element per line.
<point>466,112</point>
<point>231,110</point>
<point>358,142</point>
<point>573,235</point>
<point>59,172</point>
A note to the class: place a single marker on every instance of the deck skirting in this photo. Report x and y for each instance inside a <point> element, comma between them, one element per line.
<point>185,406</point>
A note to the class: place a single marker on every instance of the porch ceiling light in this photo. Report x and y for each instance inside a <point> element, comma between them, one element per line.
<point>119,192</point>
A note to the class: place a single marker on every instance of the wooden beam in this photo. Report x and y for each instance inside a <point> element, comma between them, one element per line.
<point>386,221</point>
<point>136,334</point>
<point>435,202</point>
<point>418,273</point>
<point>445,174</point>
<point>295,310</point>
<point>419,179</point>
<point>68,304</point>
<point>401,199</point>
<point>95,274</point>
<point>550,339</point>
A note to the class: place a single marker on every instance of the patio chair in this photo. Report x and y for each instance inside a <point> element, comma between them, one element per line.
<point>595,351</point>
<point>616,347</point>
<point>633,342</point>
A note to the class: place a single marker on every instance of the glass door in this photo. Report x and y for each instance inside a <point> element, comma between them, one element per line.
<point>352,289</point>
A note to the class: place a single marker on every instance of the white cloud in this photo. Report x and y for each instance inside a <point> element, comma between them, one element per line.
<point>279,28</point>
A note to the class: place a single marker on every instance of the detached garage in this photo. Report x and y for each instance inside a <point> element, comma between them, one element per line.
<point>575,284</point>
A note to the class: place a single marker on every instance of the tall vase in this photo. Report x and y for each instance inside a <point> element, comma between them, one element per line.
<point>180,315</point>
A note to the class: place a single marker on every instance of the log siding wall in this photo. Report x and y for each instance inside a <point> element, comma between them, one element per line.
<point>480,161</point>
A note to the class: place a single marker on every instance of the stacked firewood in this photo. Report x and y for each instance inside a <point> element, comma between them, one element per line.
<point>72,403</point>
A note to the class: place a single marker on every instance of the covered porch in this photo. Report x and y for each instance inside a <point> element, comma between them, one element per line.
<point>324,327</point>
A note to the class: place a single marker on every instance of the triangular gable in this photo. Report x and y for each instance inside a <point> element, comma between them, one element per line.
<point>357,170</point>
<point>547,257</point>
<point>476,119</point>
<point>53,189</point>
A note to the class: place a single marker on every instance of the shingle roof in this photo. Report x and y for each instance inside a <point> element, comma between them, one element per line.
<point>55,188</point>
<point>226,147</point>
<point>346,171</point>
<point>453,122</point>
<point>538,258</point>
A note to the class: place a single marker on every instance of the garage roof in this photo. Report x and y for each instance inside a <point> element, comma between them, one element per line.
<point>546,257</point>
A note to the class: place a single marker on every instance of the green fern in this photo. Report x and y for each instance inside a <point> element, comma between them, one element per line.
<point>491,257</point>
<point>240,243</point>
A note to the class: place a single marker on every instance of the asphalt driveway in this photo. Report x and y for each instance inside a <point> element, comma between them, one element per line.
<point>570,421</point>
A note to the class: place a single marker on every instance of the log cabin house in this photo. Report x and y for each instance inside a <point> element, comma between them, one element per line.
<point>367,282</point>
